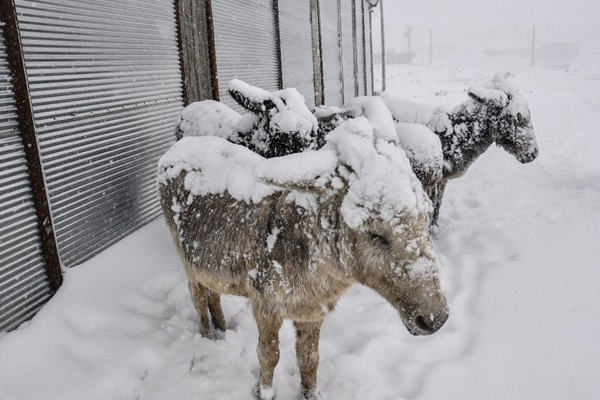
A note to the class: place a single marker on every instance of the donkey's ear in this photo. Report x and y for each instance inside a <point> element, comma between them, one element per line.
<point>252,98</point>
<point>503,83</point>
<point>311,171</point>
<point>488,96</point>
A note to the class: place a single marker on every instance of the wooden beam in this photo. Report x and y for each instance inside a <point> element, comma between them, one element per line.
<point>196,50</point>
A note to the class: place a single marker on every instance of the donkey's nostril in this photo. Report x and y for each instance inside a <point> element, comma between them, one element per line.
<point>421,323</point>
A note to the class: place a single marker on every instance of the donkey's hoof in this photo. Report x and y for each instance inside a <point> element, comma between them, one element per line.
<point>264,392</point>
<point>207,332</point>
<point>314,395</point>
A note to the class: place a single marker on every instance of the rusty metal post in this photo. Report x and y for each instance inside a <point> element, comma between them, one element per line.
<point>278,44</point>
<point>315,20</point>
<point>382,48</point>
<point>16,62</point>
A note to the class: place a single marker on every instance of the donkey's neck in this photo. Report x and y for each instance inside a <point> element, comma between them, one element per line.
<point>471,135</point>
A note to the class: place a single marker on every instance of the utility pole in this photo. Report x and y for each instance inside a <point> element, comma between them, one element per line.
<point>430,45</point>
<point>409,44</point>
<point>382,47</point>
<point>533,47</point>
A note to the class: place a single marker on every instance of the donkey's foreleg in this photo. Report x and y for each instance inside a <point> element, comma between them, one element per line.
<point>200,299</point>
<point>267,350</point>
<point>307,352</point>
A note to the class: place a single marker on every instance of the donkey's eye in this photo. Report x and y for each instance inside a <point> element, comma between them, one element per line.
<point>379,240</point>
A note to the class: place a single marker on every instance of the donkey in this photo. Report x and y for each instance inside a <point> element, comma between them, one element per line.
<point>276,123</point>
<point>494,113</point>
<point>293,233</point>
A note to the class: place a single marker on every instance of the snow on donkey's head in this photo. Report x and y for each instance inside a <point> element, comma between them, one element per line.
<point>510,120</point>
<point>292,233</point>
<point>279,122</point>
<point>387,212</point>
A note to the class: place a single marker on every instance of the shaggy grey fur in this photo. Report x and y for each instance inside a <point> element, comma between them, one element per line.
<point>501,117</point>
<point>295,262</point>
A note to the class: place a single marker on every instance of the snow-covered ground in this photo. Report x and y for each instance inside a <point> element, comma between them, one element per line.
<point>520,249</point>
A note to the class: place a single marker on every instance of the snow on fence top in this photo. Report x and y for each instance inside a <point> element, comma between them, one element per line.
<point>379,178</point>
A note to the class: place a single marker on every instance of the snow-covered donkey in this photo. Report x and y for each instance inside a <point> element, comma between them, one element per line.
<point>495,113</point>
<point>292,233</point>
<point>421,146</point>
<point>276,124</point>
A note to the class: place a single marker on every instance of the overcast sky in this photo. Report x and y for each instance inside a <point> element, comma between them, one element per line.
<point>495,12</point>
<point>555,20</point>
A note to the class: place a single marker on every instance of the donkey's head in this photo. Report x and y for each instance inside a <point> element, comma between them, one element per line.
<point>329,118</point>
<point>508,118</point>
<point>387,213</point>
<point>382,234</point>
<point>278,123</point>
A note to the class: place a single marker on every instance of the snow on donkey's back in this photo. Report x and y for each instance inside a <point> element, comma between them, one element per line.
<point>293,233</point>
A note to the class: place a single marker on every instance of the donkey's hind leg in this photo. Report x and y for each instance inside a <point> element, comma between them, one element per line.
<point>216,312</point>
<point>436,198</point>
<point>200,299</point>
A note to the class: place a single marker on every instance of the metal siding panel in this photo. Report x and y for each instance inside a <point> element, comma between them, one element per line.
<point>347,49</point>
<point>24,285</point>
<point>245,44</point>
<point>360,47</point>
<point>296,48</point>
<point>105,83</point>
<point>368,51</point>
<point>330,45</point>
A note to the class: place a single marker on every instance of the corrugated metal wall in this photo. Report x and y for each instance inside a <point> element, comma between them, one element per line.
<point>360,38</point>
<point>332,53</point>
<point>106,88</point>
<point>24,286</point>
<point>348,49</point>
<point>296,48</point>
<point>368,52</point>
<point>245,44</point>
<point>105,85</point>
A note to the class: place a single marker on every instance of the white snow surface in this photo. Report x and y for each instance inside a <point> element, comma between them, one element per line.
<point>518,103</point>
<point>422,146</point>
<point>381,183</point>
<point>253,93</point>
<point>407,111</point>
<point>290,113</point>
<point>208,118</point>
<point>214,166</point>
<point>373,108</point>
<point>494,95</point>
<point>380,179</point>
<point>519,252</point>
<point>293,115</point>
